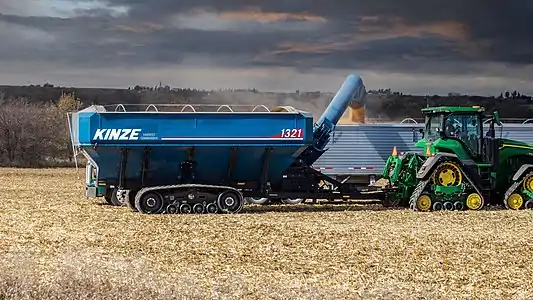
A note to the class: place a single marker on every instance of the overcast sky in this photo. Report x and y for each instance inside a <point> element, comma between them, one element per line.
<point>413,46</point>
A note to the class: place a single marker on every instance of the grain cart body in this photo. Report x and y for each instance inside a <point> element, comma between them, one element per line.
<point>202,161</point>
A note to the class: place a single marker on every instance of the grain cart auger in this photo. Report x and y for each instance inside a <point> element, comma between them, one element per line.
<point>460,168</point>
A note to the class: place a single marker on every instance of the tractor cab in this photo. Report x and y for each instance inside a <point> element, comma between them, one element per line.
<point>459,130</point>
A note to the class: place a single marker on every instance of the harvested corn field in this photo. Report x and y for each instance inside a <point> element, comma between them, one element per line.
<point>54,243</point>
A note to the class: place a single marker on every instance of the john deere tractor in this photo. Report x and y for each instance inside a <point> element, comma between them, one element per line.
<point>459,167</point>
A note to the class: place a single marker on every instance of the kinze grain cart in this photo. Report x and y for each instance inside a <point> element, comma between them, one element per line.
<point>460,168</point>
<point>183,162</point>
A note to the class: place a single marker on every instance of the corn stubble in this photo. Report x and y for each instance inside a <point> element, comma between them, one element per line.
<point>56,244</point>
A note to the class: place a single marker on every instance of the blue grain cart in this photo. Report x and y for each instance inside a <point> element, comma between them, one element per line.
<point>209,162</point>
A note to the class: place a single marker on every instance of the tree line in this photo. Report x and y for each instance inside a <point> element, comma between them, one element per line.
<point>34,134</point>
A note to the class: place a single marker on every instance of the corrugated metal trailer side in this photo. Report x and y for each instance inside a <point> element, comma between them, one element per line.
<point>358,152</point>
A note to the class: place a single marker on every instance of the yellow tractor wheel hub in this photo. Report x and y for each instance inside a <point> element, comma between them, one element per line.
<point>448,174</point>
<point>515,201</point>
<point>423,203</point>
<point>474,201</point>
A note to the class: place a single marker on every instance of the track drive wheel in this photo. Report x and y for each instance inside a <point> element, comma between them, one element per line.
<point>474,201</point>
<point>514,202</point>
<point>423,202</point>
<point>150,203</point>
<point>230,202</point>
<point>448,174</point>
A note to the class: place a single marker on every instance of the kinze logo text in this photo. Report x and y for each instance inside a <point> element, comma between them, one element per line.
<point>117,134</point>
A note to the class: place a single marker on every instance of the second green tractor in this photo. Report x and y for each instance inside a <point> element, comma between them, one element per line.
<point>459,167</point>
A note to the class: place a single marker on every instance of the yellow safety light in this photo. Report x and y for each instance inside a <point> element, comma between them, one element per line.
<point>394,151</point>
<point>428,153</point>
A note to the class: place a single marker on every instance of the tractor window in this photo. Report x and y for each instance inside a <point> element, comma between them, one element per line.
<point>433,127</point>
<point>465,128</point>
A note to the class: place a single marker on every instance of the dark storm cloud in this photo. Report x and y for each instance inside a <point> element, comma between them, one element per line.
<point>100,39</point>
<point>485,18</point>
<point>450,37</point>
<point>493,30</point>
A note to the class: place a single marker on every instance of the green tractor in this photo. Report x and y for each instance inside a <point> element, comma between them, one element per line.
<point>459,168</point>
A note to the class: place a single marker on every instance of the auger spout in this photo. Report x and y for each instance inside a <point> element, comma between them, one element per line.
<point>352,89</point>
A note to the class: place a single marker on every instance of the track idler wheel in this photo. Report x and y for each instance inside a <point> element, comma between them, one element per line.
<point>474,201</point>
<point>185,209</point>
<point>529,204</point>
<point>458,205</point>
<point>448,206</point>
<point>437,206</point>
<point>514,202</point>
<point>230,202</point>
<point>150,203</point>
<point>198,208</point>
<point>423,203</point>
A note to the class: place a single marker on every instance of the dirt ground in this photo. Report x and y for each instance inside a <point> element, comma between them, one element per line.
<point>56,244</point>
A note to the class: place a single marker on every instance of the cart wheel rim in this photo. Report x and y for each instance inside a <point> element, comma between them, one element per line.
<point>172,209</point>
<point>229,201</point>
<point>151,204</point>
<point>211,208</point>
<point>185,208</point>
<point>198,208</point>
